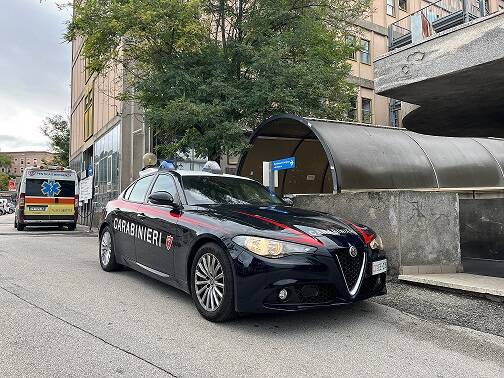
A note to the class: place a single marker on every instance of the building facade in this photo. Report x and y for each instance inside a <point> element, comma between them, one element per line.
<point>368,107</point>
<point>26,159</point>
<point>109,137</point>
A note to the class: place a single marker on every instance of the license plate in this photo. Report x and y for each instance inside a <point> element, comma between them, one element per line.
<point>379,267</point>
<point>37,208</point>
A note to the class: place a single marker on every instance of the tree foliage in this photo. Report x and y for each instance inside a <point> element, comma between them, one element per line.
<point>4,181</point>
<point>57,129</point>
<point>205,71</point>
<point>5,160</point>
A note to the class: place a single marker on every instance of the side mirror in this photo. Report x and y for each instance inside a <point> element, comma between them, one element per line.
<point>163,198</point>
<point>288,201</point>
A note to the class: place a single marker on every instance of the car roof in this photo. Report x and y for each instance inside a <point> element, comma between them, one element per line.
<point>206,174</point>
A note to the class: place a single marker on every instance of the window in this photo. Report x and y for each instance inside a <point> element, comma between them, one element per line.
<point>391,7</point>
<point>204,190</point>
<point>88,115</point>
<point>365,54</point>
<point>22,161</point>
<point>351,42</point>
<point>28,162</point>
<point>109,169</point>
<point>87,71</point>
<point>352,112</point>
<point>128,192</point>
<point>34,188</point>
<point>403,5</point>
<point>140,189</point>
<point>165,183</point>
<point>15,160</point>
<point>367,111</point>
<point>395,106</point>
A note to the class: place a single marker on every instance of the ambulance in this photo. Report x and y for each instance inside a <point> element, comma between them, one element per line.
<point>47,196</point>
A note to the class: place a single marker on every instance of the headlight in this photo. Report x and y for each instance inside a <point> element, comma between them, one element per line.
<point>270,247</point>
<point>376,243</point>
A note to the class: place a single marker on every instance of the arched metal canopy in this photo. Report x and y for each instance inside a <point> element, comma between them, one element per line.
<point>333,156</point>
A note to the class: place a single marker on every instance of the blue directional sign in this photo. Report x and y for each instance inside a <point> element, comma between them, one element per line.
<point>287,163</point>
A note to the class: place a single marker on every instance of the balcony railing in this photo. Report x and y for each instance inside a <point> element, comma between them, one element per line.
<point>434,18</point>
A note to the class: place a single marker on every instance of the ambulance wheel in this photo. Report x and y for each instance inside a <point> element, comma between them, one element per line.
<point>106,253</point>
<point>72,227</point>
<point>212,285</point>
<point>20,226</point>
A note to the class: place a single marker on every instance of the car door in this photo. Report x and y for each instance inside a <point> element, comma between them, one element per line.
<point>155,247</point>
<point>125,216</point>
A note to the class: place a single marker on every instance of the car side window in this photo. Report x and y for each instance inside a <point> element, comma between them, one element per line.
<point>128,191</point>
<point>139,191</point>
<point>165,183</point>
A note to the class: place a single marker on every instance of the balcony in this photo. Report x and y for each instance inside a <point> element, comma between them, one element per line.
<point>450,83</point>
<point>439,16</point>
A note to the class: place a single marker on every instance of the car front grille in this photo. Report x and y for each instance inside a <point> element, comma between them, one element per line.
<point>350,266</point>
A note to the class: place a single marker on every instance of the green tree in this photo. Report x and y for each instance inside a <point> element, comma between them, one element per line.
<point>4,181</point>
<point>57,129</point>
<point>207,71</point>
<point>5,160</point>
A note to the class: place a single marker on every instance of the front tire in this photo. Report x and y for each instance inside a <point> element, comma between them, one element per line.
<point>20,226</point>
<point>106,253</point>
<point>212,286</point>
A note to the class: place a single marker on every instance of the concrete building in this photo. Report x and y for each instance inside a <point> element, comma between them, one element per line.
<point>109,137</point>
<point>26,159</point>
<point>371,106</point>
<point>448,71</point>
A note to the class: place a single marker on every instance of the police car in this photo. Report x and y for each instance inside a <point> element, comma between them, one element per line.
<point>237,248</point>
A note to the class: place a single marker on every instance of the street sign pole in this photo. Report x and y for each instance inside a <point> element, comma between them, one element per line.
<point>271,179</point>
<point>271,168</point>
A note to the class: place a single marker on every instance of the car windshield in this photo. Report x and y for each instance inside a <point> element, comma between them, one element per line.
<point>209,190</point>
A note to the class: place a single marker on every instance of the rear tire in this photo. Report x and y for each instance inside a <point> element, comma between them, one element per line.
<point>72,227</point>
<point>106,253</point>
<point>20,226</point>
<point>212,285</point>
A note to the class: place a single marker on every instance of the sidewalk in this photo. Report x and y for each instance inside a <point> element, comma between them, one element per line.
<point>470,283</point>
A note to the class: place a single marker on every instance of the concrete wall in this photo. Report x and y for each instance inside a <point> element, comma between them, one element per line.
<point>482,235</point>
<point>455,76</point>
<point>420,230</point>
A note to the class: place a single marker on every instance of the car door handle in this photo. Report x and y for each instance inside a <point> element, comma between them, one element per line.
<point>141,215</point>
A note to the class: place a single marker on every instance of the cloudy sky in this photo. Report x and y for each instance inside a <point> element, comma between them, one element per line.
<point>34,71</point>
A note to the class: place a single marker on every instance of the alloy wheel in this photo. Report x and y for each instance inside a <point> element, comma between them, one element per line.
<point>209,282</point>
<point>106,248</point>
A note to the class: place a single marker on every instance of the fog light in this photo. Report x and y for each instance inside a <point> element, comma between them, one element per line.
<point>283,294</point>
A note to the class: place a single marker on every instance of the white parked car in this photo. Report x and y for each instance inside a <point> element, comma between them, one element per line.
<point>4,209</point>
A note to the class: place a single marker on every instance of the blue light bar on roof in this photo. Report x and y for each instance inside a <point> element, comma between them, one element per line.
<point>167,165</point>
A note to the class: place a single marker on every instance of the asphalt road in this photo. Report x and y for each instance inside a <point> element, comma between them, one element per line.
<point>61,315</point>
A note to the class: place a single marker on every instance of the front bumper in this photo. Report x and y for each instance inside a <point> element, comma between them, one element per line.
<point>312,281</point>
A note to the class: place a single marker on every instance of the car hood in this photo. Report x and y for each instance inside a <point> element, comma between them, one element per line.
<point>287,223</point>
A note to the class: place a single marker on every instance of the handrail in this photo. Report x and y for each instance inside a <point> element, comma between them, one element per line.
<point>400,33</point>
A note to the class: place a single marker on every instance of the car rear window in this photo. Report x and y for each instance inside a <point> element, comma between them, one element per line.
<point>60,188</point>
